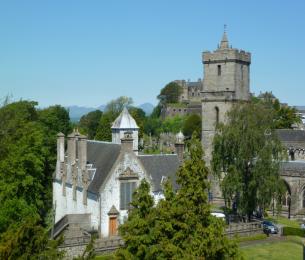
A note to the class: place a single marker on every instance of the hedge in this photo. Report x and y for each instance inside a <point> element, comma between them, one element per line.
<point>292,231</point>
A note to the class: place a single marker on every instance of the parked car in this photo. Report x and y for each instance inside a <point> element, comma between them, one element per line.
<point>218,215</point>
<point>269,227</point>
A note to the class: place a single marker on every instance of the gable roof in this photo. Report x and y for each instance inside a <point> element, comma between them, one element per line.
<point>160,165</point>
<point>289,135</point>
<point>293,166</point>
<point>103,156</point>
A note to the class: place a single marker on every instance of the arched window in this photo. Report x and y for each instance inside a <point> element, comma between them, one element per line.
<point>216,116</point>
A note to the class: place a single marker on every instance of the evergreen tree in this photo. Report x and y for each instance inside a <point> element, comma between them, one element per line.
<point>197,233</point>
<point>180,226</point>
<point>136,230</point>
<point>103,132</point>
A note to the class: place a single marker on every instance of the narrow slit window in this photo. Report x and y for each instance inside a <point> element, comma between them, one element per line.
<point>219,70</point>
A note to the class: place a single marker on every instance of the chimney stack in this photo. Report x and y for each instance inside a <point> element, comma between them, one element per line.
<point>60,147</point>
<point>127,141</point>
<point>82,151</point>
<point>179,146</point>
<point>72,138</point>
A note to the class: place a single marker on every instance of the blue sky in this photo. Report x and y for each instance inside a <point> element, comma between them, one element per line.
<point>89,52</point>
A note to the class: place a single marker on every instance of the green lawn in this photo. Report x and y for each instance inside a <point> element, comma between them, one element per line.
<point>104,257</point>
<point>285,221</point>
<point>283,250</point>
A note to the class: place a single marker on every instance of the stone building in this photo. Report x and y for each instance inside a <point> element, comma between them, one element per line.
<point>226,81</point>
<point>293,172</point>
<point>94,180</point>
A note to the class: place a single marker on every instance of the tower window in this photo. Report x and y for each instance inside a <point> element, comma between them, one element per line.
<point>219,70</point>
<point>242,71</point>
<point>216,115</point>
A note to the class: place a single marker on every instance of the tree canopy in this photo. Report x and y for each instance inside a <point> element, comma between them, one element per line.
<point>248,152</point>
<point>27,162</point>
<point>284,116</point>
<point>170,93</point>
<point>88,124</point>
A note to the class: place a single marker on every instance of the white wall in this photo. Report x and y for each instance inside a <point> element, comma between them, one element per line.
<point>66,204</point>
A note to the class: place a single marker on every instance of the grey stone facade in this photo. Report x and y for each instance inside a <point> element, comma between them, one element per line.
<point>226,81</point>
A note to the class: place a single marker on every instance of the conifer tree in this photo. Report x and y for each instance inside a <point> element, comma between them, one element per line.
<point>136,231</point>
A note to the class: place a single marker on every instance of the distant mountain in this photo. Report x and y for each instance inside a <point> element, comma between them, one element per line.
<point>76,112</point>
<point>147,107</point>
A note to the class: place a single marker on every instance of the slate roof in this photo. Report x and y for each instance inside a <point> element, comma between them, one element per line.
<point>289,135</point>
<point>103,156</point>
<point>160,165</point>
<point>293,166</point>
<point>124,121</point>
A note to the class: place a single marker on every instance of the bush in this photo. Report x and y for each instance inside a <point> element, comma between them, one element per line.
<point>291,231</point>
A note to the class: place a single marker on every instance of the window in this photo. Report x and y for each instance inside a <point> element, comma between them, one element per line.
<point>219,70</point>
<point>216,116</point>
<point>242,71</point>
<point>126,191</point>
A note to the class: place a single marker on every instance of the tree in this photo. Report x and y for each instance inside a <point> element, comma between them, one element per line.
<point>170,93</point>
<point>28,240</point>
<point>103,132</point>
<point>197,232</point>
<point>192,123</point>
<point>89,123</point>
<point>114,107</point>
<point>248,151</point>
<point>173,124</point>
<point>139,115</point>
<point>136,230</point>
<point>284,116</point>
<point>27,161</point>
<point>180,226</point>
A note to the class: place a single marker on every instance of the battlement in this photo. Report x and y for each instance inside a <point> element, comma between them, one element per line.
<point>226,55</point>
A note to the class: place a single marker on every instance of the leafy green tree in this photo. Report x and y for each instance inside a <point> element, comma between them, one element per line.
<point>136,230</point>
<point>114,107</point>
<point>103,132</point>
<point>27,161</point>
<point>173,124</point>
<point>284,116</point>
<point>28,240</point>
<point>170,93</point>
<point>139,115</point>
<point>248,151</point>
<point>89,123</point>
<point>192,124</point>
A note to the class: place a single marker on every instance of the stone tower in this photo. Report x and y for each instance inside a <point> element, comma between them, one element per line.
<point>226,81</point>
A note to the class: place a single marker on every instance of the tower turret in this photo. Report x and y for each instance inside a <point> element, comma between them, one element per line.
<point>125,123</point>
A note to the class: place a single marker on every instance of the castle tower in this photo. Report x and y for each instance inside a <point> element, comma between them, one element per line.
<point>226,81</point>
<point>125,123</point>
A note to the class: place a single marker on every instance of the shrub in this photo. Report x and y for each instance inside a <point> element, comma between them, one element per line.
<point>291,231</point>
